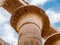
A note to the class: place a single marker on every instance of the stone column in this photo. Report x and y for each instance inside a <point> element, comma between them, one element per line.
<point>12,5</point>
<point>29,34</point>
<point>26,10</point>
<point>27,19</point>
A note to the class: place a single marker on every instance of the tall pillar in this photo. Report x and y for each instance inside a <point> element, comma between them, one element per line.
<point>12,5</point>
<point>26,14</point>
<point>27,20</point>
<point>26,17</point>
<point>29,34</point>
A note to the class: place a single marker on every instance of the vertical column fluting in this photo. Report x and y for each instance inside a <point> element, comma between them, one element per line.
<point>29,34</point>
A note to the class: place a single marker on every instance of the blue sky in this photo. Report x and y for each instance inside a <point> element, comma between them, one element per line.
<point>51,7</point>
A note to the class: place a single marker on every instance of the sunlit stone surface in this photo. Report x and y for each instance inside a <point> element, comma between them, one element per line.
<point>57,42</point>
<point>2,2</point>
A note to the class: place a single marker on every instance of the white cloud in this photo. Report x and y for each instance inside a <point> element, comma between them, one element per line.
<point>38,2</point>
<point>4,15</point>
<point>10,38</point>
<point>8,35</point>
<point>58,29</point>
<point>2,19</point>
<point>53,16</point>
